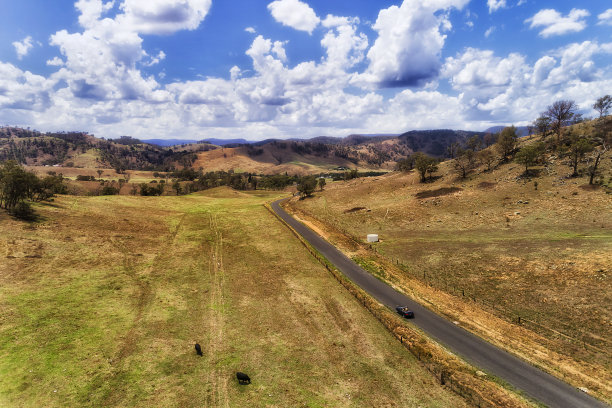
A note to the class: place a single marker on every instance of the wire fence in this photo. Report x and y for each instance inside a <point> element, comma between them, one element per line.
<point>583,339</point>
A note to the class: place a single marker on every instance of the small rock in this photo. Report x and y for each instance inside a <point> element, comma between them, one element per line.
<point>517,213</point>
<point>481,373</point>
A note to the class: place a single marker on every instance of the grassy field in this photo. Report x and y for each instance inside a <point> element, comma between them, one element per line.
<point>103,300</point>
<point>543,254</point>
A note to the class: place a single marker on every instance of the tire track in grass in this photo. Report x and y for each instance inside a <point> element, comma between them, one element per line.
<point>216,311</point>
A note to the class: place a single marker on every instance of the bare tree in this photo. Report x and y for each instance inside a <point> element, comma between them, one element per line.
<point>561,113</point>
<point>594,161</point>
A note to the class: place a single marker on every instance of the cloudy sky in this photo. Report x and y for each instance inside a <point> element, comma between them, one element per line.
<point>296,68</point>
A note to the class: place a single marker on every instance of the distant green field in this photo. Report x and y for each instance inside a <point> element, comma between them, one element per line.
<point>103,301</point>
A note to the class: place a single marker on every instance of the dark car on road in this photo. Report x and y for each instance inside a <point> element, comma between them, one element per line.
<point>404,311</point>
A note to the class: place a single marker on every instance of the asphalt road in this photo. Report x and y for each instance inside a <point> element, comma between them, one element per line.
<point>523,376</point>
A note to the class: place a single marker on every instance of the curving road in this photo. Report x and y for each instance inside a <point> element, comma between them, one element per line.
<point>523,376</point>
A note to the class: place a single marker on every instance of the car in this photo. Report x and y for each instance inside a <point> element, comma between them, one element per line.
<point>405,311</point>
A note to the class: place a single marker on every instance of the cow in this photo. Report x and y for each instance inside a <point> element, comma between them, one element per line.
<point>198,349</point>
<point>243,378</point>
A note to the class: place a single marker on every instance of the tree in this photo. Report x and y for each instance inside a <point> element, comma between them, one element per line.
<point>473,143</point>
<point>452,149</point>
<point>14,184</point>
<point>406,164</point>
<point>99,173</point>
<point>18,185</point>
<point>322,183</point>
<point>603,105</point>
<point>578,148</point>
<point>465,162</point>
<point>177,187</point>
<point>529,155</point>
<point>506,142</point>
<point>487,157</point>
<point>425,165</point>
<point>306,186</point>
<point>594,161</point>
<point>560,114</point>
<point>542,124</point>
<point>489,139</point>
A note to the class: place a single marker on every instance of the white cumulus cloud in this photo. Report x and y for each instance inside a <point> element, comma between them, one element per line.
<point>510,89</point>
<point>495,5</point>
<point>554,23</point>
<point>410,39</point>
<point>163,16</point>
<point>23,47</point>
<point>605,18</point>
<point>294,14</point>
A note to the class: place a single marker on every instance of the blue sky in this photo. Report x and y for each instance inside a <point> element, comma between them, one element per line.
<point>296,68</point>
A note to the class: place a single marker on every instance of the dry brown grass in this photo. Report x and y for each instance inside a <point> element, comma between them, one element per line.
<point>103,300</point>
<point>542,254</point>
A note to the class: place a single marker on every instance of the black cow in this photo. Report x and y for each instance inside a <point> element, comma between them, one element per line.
<point>243,378</point>
<point>198,349</point>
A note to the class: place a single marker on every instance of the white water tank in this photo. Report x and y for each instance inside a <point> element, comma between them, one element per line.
<point>372,237</point>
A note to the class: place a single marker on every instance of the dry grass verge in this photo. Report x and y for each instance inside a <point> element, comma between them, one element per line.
<point>448,369</point>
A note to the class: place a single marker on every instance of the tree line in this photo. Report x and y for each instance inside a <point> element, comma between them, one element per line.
<point>569,144</point>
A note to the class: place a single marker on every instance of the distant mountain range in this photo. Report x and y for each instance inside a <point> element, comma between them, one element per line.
<point>351,140</point>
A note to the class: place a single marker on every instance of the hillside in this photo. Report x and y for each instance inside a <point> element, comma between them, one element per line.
<point>79,149</point>
<point>493,247</point>
<point>318,155</point>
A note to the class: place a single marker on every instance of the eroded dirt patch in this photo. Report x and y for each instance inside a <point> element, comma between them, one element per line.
<point>438,192</point>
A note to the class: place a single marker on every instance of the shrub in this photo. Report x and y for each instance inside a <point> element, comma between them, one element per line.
<point>110,190</point>
<point>23,211</point>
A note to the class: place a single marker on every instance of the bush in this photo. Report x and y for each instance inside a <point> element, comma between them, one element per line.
<point>110,190</point>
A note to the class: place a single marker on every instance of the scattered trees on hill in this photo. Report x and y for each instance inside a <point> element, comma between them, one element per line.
<point>425,165</point>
